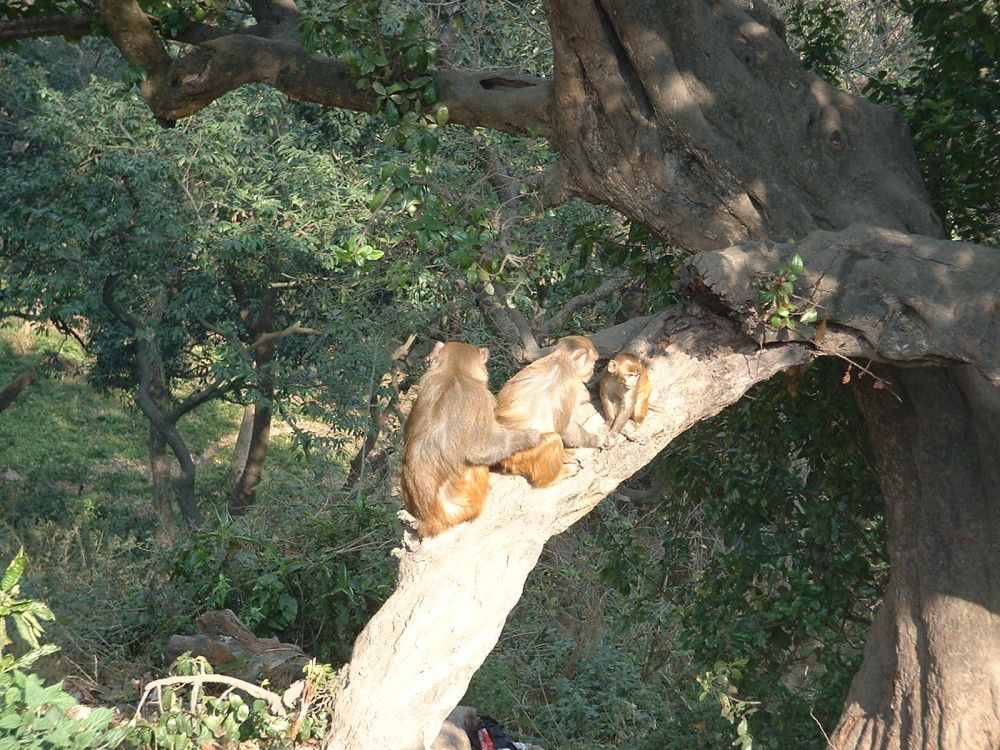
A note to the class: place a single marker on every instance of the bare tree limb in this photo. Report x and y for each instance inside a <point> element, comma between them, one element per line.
<point>270,336</point>
<point>199,397</point>
<point>605,290</point>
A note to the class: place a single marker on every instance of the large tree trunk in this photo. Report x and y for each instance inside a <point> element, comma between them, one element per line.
<point>931,673</point>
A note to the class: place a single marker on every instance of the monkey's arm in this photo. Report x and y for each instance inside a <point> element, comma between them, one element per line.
<point>608,405</point>
<point>575,436</point>
<point>618,423</point>
<point>501,444</point>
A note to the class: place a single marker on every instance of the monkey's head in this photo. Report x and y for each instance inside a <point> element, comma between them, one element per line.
<point>627,368</point>
<point>581,353</point>
<point>458,356</point>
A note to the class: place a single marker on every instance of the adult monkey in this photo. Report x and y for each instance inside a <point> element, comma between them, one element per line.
<point>543,397</point>
<point>452,437</point>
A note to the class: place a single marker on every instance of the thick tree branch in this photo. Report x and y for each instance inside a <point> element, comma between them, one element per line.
<point>700,123</point>
<point>134,35</point>
<point>935,301</point>
<point>32,28</point>
<point>174,89</point>
<point>700,364</point>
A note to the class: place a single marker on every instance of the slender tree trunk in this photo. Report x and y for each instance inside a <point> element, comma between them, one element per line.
<point>242,449</point>
<point>184,485</point>
<point>159,469</point>
<point>152,398</point>
<point>260,437</point>
<point>14,389</point>
<point>260,440</point>
<point>931,672</point>
<point>361,464</point>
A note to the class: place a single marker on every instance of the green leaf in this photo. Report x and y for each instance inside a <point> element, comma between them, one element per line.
<point>14,571</point>
<point>795,264</point>
<point>810,315</point>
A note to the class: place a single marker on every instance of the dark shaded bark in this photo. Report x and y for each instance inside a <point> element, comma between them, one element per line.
<point>159,471</point>
<point>931,672</point>
<point>14,389</point>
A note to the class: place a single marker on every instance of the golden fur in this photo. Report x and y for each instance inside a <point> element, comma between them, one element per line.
<point>542,397</point>
<point>625,389</point>
<point>450,439</point>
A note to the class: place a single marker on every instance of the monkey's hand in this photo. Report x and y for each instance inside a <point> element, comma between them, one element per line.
<point>631,432</point>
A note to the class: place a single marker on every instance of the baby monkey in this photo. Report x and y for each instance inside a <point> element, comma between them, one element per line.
<point>625,391</point>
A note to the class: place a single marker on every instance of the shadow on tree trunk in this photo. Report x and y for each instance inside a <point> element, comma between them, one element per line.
<point>931,671</point>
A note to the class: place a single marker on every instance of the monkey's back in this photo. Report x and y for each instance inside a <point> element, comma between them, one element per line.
<point>453,414</point>
<point>540,397</point>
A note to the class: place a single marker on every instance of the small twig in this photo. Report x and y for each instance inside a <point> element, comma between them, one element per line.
<point>825,735</point>
<point>273,699</point>
<point>265,338</point>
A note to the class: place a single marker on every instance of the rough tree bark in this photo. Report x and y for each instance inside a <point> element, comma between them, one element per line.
<point>931,673</point>
<point>694,118</point>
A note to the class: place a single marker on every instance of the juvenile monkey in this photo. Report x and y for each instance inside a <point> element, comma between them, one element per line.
<point>543,397</point>
<point>625,391</point>
<point>452,437</point>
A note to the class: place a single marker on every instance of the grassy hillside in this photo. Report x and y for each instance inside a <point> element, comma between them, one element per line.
<point>75,493</point>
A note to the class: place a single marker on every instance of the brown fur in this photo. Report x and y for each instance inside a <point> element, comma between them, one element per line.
<point>542,397</point>
<point>451,438</point>
<point>625,390</point>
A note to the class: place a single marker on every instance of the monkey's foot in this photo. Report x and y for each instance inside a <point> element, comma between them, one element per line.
<point>631,432</point>
<point>568,469</point>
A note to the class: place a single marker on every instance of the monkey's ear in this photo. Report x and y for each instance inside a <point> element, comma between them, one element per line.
<point>612,366</point>
<point>484,353</point>
<point>438,346</point>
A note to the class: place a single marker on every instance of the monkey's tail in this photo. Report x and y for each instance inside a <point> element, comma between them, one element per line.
<point>540,465</point>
